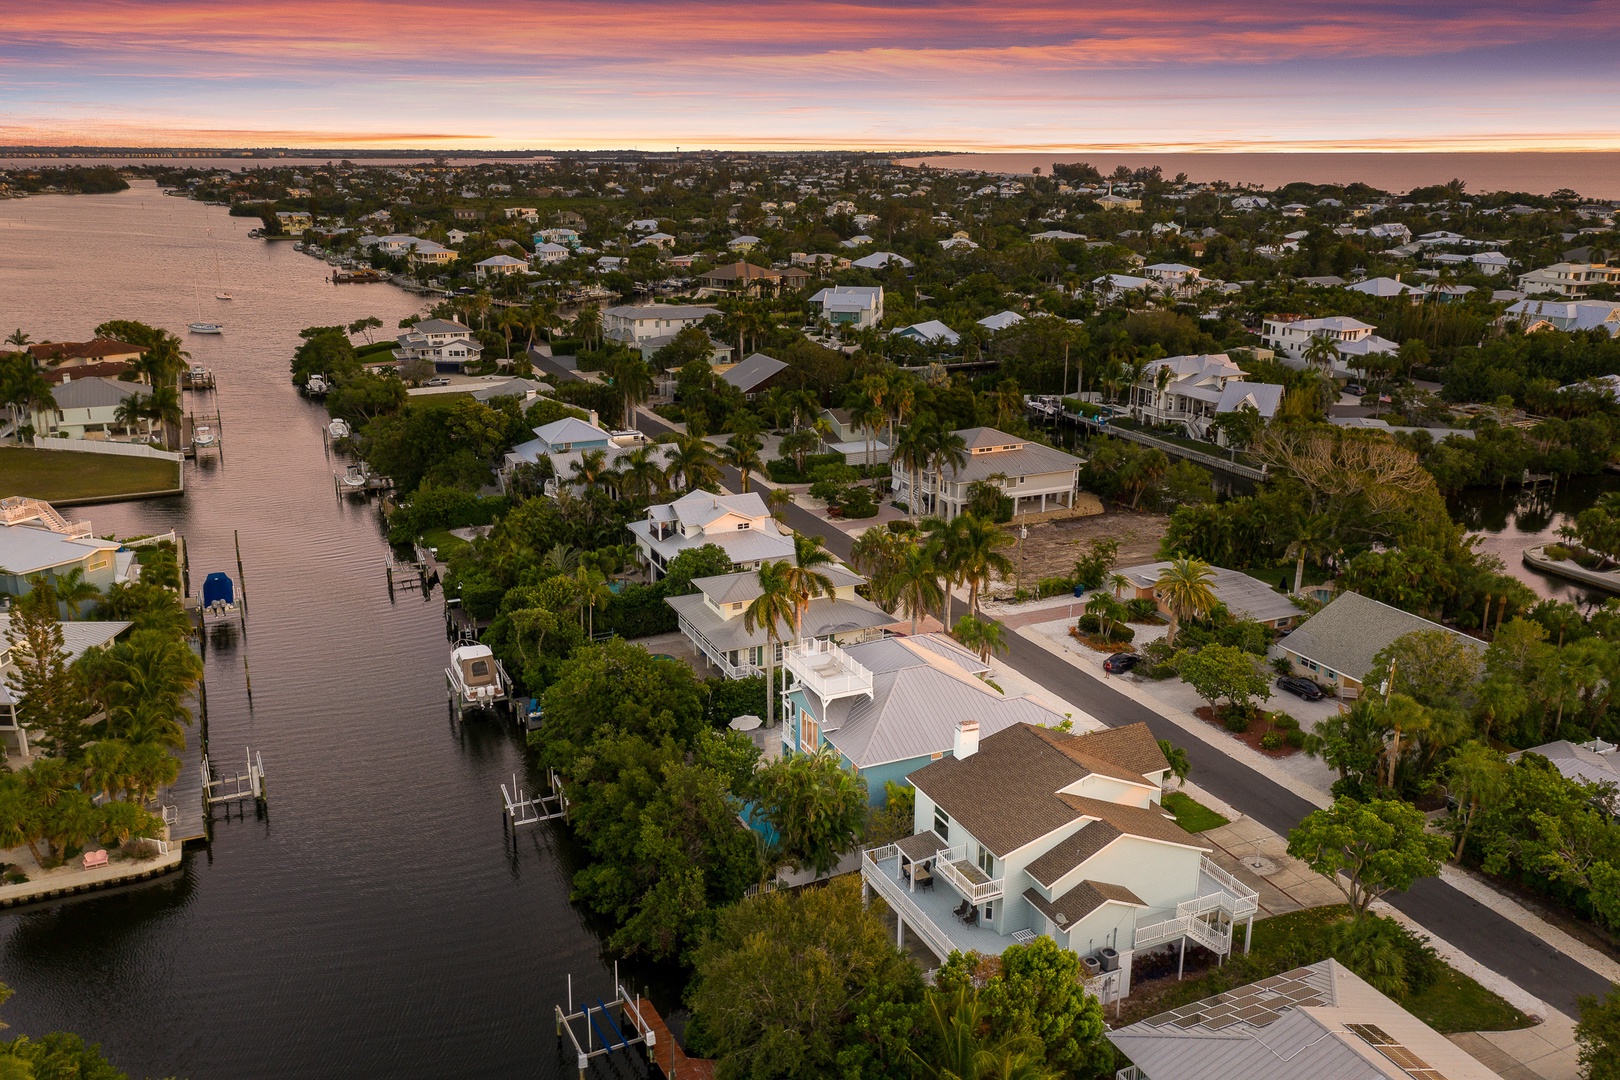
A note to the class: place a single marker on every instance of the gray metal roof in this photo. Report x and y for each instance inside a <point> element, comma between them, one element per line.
<point>744,587</point>
<point>96,393</point>
<point>742,546</point>
<point>25,549</point>
<point>78,635</point>
<point>822,618</point>
<point>1025,459</point>
<point>753,371</point>
<point>1582,764</point>
<point>1317,1021</point>
<point>1346,635</point>
<point>1245,597</point>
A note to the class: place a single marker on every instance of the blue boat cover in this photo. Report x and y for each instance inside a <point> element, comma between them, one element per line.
<point>217,587</point>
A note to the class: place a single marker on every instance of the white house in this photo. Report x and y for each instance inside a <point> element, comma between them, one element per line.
<point>36,540</point>
<point>932,332</point>
<point>427,253</point>
<point>550,254</point>
<point>1570,279</point>
<point>1351,339</point>
<point>644,225</point>
<point>879,260</point>
<point>743,244</point>
<point>657,240</point>
<point>1030,831</point>
<point>499,266</point>
<point>1383,286</point>
<point>525,213</point>
<point>1179,278</point>
<point>633,324</point>
<point>86,405</point>
<point>1112,287</point>
<point>740,525</point>
<point>1194,390</point>
<point>713,619</point>
<point>1001,320</point>
<point>1534,315</point>
<point>449,346</point>
<point>1037,478</point>
<point>855,306</point>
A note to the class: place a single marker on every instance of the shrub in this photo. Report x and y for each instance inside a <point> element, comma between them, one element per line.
<point>1295,738</point>
<point>858,503</point>
<point>1236,721</point>
<point>1271,740</point>
<point>1283,721</point>
<point>1054,586</point>
<point>1142,609</point>
<point>1556,552</point>
<point>1281,666</point>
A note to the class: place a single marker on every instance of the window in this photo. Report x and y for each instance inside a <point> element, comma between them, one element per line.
<point>742,526</point>
<point>942,823</point>
<point>480,667</point>
<point>987,861</point>
<point>989,912</point>
<point>809,734</point>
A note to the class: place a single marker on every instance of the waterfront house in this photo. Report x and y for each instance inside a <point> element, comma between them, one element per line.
<point>932,332</point>
<point>713,618</point>
<point>740,525</point>
<point>35,540</point>
<point>634,324</point>
<point>565,436</point>
<point>1351,338</point>
<point>1000,321</point>
<point>1336,646</point>
<point>753,376</point>
<point>1031,831</point>
<point>72,355</point>
<point>855,306</point>
<point>78,637</point>
<point>446,344</point>
<point>1193,390</point>
<point>551,254</point>
<point>890,705</point>
<point>294,222</point>
<point>86,407</point>
<point>1037,478</point>
<point>428,253</point>
<point>1243,596</point>
<point>499,266</point>
<point>1533,315</point>
<point>1322,1020</point>
<point>880,260</point>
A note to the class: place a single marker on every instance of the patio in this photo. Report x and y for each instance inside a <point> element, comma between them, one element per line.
<point>927,911</point>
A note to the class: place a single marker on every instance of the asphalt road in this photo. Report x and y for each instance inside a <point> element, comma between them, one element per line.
<point>1492,940</point>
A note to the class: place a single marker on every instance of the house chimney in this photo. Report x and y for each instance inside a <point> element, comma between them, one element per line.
<point>967,739</point>
<point>594,422</point>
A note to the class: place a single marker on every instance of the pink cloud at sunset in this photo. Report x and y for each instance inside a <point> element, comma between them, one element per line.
<point>929,73</point>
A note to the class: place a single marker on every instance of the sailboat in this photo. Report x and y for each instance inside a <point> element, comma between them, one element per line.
<point>201,327</point>
<point>224,293</point>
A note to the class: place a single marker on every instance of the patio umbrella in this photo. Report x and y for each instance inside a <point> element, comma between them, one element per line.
<point>746,723</point>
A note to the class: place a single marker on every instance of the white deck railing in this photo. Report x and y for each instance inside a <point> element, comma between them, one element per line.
<point>1245,901</point>
<point>938,942</point>
<point>827,670</point>
<point>976,891</point>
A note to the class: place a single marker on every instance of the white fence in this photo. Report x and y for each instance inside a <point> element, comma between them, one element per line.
<point>115,449</point>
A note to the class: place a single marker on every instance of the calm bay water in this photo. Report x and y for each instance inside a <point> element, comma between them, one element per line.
<point>379,922</point>
<point>1595,175</point>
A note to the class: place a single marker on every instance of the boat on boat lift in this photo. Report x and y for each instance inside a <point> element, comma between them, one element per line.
<point>339,428</point>
<point>475,679</point>
<point>203,436</point>
<point>315,386</point>
<point>354,479</point>
<point>219,596</point>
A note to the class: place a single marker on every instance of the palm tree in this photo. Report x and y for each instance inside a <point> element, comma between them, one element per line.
<point>633,380</point>
<point>693,461</point>
<point>71,822</point>
<point>1320,352</point>
<point>20,823</point>
<point>877,553</point>
<point>593,590</point>
<point>866,414</point>
<point>1187,587</point>
<point>916,581</point>
<point>910,449</point>
<point>150,768</point>
<point>588,324</point>
<point>20,338</point>
<point>122,821</point>
<point>74,591</point>
<point>542,317</point>
<point>590,469</point>
<point>980,556</point>
<point>1476,775</point>
<point>804,583</point>
<point>163,405</point>
<point>641,472</point>
<point>772,609</point>
<point>983,636</point>
<point>945,448</point>
<point>129,413</point>
<point>779,500</point>
<point>1313,536</point>
<point>741,452</point>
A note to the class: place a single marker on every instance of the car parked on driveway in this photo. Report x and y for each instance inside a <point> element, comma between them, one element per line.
<point>1301,688</point>
<point>1121,662</point>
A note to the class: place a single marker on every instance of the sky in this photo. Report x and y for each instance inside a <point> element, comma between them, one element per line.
<point>1167,75</point>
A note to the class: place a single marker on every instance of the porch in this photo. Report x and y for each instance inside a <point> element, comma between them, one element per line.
<point>928,909</point>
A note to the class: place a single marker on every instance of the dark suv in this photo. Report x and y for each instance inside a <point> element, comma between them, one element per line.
<point>1301,687</point>
<point>1121,662</point>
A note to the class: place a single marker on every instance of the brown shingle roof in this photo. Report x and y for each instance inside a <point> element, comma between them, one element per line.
<point>743,271</point>
<point>1080,901</point>
<point>57,351</point>
<point>1151,824</point>
<point>1131,747</point>
<point>1070,853</point>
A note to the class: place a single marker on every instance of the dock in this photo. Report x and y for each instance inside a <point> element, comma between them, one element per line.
<point>665,1052</point>
<point>183,800</point>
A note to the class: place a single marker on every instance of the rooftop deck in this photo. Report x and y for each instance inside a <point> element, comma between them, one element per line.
<point>927,912</point>
<point>827,670</point>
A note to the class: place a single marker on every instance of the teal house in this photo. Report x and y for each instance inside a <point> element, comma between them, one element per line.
<point>892,705</point>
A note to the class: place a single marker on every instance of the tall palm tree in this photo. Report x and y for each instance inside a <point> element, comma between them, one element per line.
<point>741,452</point>
<point>866,414</point>
<point>917,581</point>
<point>804,584</point>
<point>588,324</point>
<point>106,767</point>
<point>590,469</point>
<point>1320,352</point>
<point>129,413</point>
<point>20,338</point>
<point>20,824</point>
<point>983,636</point>
<point>877,553</point>
<point>163,405</point>
<point>945,448</point>
<point>1313,537</point>
<point>641,472</point>
<point>772,609</point>
<point>74,591</point>
<point>948,536</point>
<point>593,590</point>
<point>979,553</point>
<point>910,448</point>
<point>633,380</point>
<point>693,461</point>
<point>1187,587</point>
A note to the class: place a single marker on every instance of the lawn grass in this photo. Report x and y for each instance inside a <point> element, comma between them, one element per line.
<point>1191,814</point>
<point>62,476</point>
<point>445,542</point>
<point>1453,1003</point>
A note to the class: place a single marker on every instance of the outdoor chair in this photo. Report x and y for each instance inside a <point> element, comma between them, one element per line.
<point>961,909</point>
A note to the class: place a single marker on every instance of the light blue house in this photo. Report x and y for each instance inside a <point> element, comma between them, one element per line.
<point>891,706</point>
<point>565,436</point>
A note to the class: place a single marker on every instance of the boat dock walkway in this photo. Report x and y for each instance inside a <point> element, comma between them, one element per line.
<point>666,1052</point>
<point>186,794</point>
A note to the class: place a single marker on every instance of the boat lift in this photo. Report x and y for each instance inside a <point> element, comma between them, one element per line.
<point>604,1035</point>
<point>525,809</point>
<point>228,789</point>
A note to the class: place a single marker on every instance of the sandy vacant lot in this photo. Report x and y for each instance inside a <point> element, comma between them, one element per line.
<point>1053,547</point>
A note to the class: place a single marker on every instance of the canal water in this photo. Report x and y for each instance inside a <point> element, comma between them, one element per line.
<point>378,921</point>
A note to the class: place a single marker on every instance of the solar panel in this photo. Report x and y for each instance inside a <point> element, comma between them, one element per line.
<point>1414,1066</point>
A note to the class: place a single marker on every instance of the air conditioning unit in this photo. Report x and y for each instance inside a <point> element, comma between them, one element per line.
<point>1110,959</point>
<point>1090,966</point>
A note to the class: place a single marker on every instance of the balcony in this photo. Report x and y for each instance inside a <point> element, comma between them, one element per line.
<point>928,912</point>
<point>827,670</point>
<point>1208,918</point>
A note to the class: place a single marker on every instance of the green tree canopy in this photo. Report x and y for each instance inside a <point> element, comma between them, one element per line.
<point>1378,847</point>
